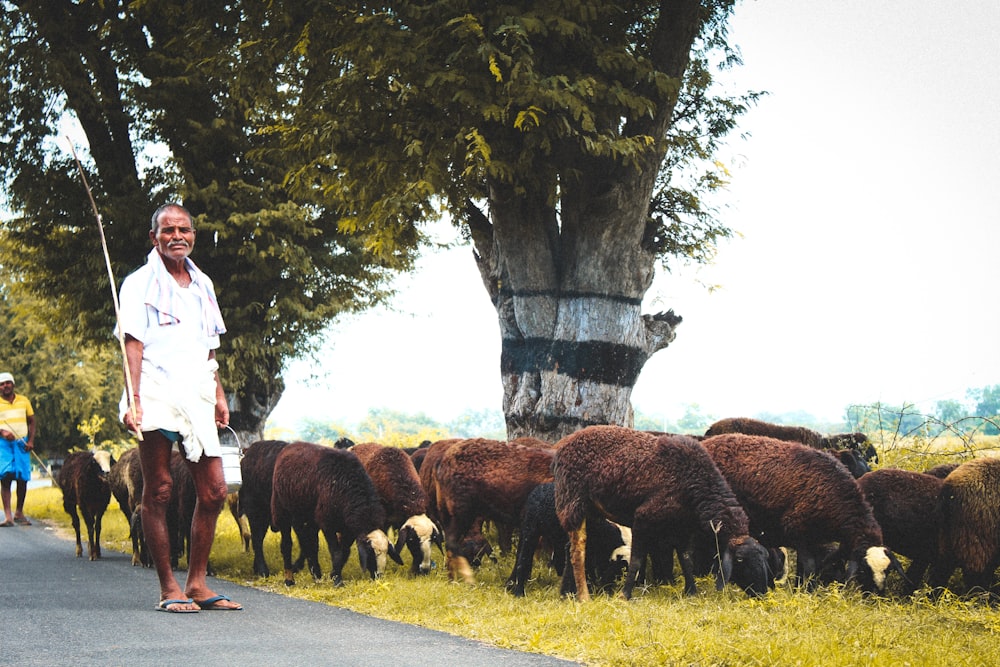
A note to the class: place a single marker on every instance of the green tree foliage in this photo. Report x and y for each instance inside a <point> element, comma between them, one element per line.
<point>67,382</point>
<point>478,424</point>
<point>170,98</point>
<point>987,400</point>
<point>573,140</point>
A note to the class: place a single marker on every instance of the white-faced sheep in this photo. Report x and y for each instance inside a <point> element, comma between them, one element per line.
<point>905,504</point>
<point>804,499</point>
<point>84,483</point>
<point>404,500</point>
<point>321,488</point>
<point>487,479</point>
<point>609,545</point>
<point>970,525</point>
<point>663,488</point>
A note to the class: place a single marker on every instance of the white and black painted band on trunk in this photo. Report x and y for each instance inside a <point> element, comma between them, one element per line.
<point>563,294</point>
<point>593,361</point>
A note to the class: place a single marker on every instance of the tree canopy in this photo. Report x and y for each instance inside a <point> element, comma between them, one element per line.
<point>167,99</point>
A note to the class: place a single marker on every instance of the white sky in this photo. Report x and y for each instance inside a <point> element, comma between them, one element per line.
<point>866,268</point>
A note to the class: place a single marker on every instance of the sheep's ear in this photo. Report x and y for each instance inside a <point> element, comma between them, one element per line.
<point>725,571</point>
<point>437,537</point>
<point>404,534</point>
<point>394,554</point>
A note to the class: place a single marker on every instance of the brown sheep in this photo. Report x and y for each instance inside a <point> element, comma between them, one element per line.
<point>970,525</point>
<point>322,488</point>
<point>804,499</point>
<point>659,486</point>
<point>84,483</point>
<point>905,506</point>
<point>404,499</point>
<point>487,479</point>
<point>749,426</point>
<point>474,547</point>
<point>125,480</point>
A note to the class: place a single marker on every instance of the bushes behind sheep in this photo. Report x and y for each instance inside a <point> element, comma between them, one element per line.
<point>84,483</point>
<point>663,488</point>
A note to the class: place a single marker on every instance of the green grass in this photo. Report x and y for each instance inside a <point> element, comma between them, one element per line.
<point>659,626</point>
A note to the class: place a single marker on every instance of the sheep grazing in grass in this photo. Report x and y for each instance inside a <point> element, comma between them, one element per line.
<point>125,480</point>
<point>84,483</point>
<point>855,441</point>
<point>321,488</point>
<point>486,479</point>
<point>804,499</point>
<point>969,504</point>
<point>663,487</point>
<point>474,546</point>
<point>609,545</point>
<point>257,469</point>
<point>905,504</point>
<point>404,500</point>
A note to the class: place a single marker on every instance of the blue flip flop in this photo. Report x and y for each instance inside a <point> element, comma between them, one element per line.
<point>209,604</point>
<point>164,605</point>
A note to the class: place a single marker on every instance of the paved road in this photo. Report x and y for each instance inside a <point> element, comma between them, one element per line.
<point>56,609</point>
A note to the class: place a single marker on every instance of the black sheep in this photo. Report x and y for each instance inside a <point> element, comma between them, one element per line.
<point>663,488</point>
<point>84,483</point>
<point>804,499</point>
<point>608,550</point>
<point>905,505</point>
<point>257,469</point>
<point>322,488</point>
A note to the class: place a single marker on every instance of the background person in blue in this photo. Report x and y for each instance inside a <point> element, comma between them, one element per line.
<point>17,439</point>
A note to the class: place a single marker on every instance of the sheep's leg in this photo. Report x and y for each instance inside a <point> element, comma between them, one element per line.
<point>98,518</point>
<point>286,554</point>
<point>308,536</point>
<point>258,522</point>
<point>88,520</point>
<point>577,560</point>
<point>70,509</point>
<point>339,550</point>
<point>915,576</point>
<point>458,565</point>
<point>637,560</point>
<point>523,561</point>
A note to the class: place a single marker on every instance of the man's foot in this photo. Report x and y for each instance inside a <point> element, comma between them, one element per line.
<point>178,606</point>
<point>218,603</point>
<point>22,520</point>
<point>6,524</point>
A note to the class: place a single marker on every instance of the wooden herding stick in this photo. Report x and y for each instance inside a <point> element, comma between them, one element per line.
<point>114,293</point>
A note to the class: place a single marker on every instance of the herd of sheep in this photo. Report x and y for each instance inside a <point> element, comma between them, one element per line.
<point>600,503</point>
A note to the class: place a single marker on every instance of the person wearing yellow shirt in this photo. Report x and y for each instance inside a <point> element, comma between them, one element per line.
<point>17,439</point>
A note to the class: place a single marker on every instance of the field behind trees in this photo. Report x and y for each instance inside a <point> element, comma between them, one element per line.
<point>834,626</point>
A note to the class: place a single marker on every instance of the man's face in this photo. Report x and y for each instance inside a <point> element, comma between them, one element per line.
<point>6,389</point>
<point>174,236</point>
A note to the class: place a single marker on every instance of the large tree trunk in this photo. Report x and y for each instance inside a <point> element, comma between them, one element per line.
<point>249,408</point>
<point>568,283</point>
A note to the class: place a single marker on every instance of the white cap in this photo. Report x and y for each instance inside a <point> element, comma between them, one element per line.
<point>6,377</point>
